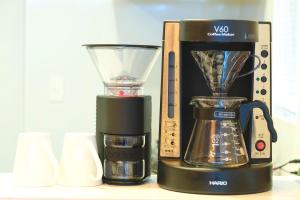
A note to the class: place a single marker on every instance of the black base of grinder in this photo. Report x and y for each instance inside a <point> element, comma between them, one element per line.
<point>123,134</point>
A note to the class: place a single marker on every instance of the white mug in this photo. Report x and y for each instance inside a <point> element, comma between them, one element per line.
<point>80,164</point>
<point>35,164</point>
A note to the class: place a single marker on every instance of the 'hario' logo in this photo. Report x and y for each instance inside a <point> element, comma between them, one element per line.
<point>215,183</point>
<point>221,31</point>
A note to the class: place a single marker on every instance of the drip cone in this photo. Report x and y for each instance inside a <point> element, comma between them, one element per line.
<point>220,68</point>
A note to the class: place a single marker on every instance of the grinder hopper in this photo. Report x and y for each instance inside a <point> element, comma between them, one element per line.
<point>123,68</point>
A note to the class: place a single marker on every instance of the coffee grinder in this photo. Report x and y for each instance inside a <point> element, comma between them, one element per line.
<point>215,125</point>
<point>123,116</point>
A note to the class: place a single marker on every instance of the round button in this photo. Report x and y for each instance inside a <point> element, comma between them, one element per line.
<point>264,53</point>
<point>263,91</point>
<point>264,66</point>
<point>260,145</point>
<point>263,79</point>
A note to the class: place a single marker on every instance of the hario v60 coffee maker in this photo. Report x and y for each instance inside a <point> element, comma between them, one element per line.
<point>215,125</point>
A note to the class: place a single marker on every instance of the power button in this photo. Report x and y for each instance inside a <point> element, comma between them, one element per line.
<point>260,145</point>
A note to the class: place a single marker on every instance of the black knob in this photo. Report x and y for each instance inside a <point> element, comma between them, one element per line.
<point>263,92</point>
<point>264,66</point>
<point>264,53</point>
<point>263,79</point>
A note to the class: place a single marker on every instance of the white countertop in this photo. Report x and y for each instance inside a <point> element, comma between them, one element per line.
<point>284,187</point>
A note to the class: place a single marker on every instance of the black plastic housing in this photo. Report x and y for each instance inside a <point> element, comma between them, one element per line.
<point>178,176</point>
<point>124,116</point>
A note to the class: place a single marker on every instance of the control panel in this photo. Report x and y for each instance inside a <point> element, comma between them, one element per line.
<point>170,93</point>
<point>261,139</point>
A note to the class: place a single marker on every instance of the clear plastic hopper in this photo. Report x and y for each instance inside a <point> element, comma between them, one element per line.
<point>123,68</point>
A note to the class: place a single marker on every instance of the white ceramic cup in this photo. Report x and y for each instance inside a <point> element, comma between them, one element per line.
<point>80,164</point>
<point>35,164</point>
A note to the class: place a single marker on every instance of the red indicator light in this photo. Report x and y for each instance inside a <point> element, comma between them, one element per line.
<point>260,145</point>
<point>121,93</point>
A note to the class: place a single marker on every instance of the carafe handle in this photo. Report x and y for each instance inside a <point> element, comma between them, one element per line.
<point>245,115</point>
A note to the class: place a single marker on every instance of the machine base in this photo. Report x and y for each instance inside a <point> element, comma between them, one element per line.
<point>178,176</point>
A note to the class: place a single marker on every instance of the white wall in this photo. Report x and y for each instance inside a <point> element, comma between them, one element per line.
<point>56,66</point>
<point>56,29</point>
<point>286,83</point>
<point>11,81</point>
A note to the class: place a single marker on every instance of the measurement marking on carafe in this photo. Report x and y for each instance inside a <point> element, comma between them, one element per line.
<point>212,154</point>
<point>226,159</point>
<point>225,143</point>
<point>227,152</point>
<point>226,134</point>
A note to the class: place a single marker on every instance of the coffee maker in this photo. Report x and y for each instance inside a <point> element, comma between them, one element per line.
<point>182,81</point>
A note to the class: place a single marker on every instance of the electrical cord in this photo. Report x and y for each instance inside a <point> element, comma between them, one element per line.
<point>293,172</point>
<point>289,162</point>
<point>295,161</point>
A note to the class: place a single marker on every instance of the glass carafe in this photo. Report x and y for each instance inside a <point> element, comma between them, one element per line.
<point>217,137</point>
